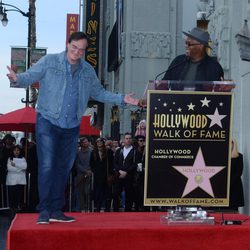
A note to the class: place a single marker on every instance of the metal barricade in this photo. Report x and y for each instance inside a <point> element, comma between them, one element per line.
<point>75,183</point>
<point>4,197</point>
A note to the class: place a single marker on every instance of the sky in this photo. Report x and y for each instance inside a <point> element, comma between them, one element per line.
<point>51,34</point>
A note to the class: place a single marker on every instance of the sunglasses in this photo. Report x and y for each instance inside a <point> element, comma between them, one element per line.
<point>191,44</point>
<point>77,49</point>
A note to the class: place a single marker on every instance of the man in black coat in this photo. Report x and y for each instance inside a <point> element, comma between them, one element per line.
<point>125,164</point>
<point>195,65</point>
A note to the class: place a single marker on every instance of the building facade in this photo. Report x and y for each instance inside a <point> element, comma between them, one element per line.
<point>228,27</point>
<point>139,38</point>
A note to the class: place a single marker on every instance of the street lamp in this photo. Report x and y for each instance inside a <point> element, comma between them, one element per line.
<point>4,20</point>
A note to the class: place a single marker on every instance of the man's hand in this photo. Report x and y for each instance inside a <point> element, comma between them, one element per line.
<point>123,174</point>
<point>234,153</point>
<point>130,100</point>
<point>11,75</point>
<point>89,173</point>
<point>142,103</point>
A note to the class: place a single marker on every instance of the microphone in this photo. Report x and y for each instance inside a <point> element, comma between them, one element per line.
<point>173,67</point>
<point>165,71</point>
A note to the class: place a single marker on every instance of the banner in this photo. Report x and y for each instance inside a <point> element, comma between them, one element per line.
<point>19,57</point>
<point>35,55</point>
<point>188,151</point>
<point>92,30</point>
<point>72,25</point>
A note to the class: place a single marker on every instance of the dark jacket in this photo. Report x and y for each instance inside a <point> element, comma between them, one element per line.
<point>101,167</point>
<point>236,188</point>
<point>128,164</point>
<point>208,69</point>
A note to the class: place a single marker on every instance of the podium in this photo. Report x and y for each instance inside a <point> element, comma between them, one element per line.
<point>188,147</point>
<point>207,86</point>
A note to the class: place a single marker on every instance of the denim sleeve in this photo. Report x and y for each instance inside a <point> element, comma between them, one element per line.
<point>123,102</point>
<point>100,94</point>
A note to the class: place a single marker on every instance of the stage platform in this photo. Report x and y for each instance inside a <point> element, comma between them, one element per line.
<point>126,231</point>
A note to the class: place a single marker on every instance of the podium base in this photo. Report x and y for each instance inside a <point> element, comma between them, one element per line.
<point>185,216</point>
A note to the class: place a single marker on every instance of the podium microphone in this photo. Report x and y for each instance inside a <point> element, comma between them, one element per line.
<point>165,71</point>
<point>173,67</point>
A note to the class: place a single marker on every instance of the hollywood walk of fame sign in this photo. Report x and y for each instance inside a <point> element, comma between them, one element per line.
<point>188,148</point>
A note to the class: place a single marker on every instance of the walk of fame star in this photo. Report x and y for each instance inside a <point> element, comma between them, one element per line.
<point>198,175</point>
<point>205,102</point>
<point>216,118</point>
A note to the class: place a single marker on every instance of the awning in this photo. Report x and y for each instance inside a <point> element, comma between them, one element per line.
<point>87,129</point>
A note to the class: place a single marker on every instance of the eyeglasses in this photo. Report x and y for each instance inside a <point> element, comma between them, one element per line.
<point>99,140</point>
<point>191,44</point>
<point>76,49</point>
<point>141,140</point>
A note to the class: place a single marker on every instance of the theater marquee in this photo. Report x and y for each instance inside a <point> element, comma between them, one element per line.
<point>188,148</point>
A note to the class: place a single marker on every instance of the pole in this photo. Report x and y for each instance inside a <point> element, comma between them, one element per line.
<point>29,15</point>
<point>27,97</point>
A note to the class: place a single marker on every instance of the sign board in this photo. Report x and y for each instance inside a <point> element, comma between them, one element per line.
<point>188,150</point>
<point>19,57</point>
<point>72,25</point>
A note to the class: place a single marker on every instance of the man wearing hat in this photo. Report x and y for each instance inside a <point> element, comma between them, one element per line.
<point>195,64</point>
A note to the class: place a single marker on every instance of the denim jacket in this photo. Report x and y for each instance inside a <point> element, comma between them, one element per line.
<point>51,72</point>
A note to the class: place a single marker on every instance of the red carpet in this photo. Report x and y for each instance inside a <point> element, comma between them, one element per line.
<point>125,231</point>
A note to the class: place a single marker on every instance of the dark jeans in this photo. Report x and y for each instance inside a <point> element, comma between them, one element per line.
<point>56,151</point>
<point>127,185</point>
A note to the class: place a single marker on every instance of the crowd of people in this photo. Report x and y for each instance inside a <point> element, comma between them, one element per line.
<point>107,175</point>
<point>18,170</point>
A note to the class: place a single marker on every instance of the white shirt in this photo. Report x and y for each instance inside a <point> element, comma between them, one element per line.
<point>126,151</point>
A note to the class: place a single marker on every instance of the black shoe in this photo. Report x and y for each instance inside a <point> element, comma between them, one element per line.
<point>43,218</point>
<point>59,216</point>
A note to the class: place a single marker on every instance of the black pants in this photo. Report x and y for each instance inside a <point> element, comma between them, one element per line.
<point>120,185</point>
<point>16,195</point>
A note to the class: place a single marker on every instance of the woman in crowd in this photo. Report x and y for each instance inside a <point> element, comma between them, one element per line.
<point>101,163</point>
<point>139,175</point>
<point>236,198</point>
<point>16,179</point>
